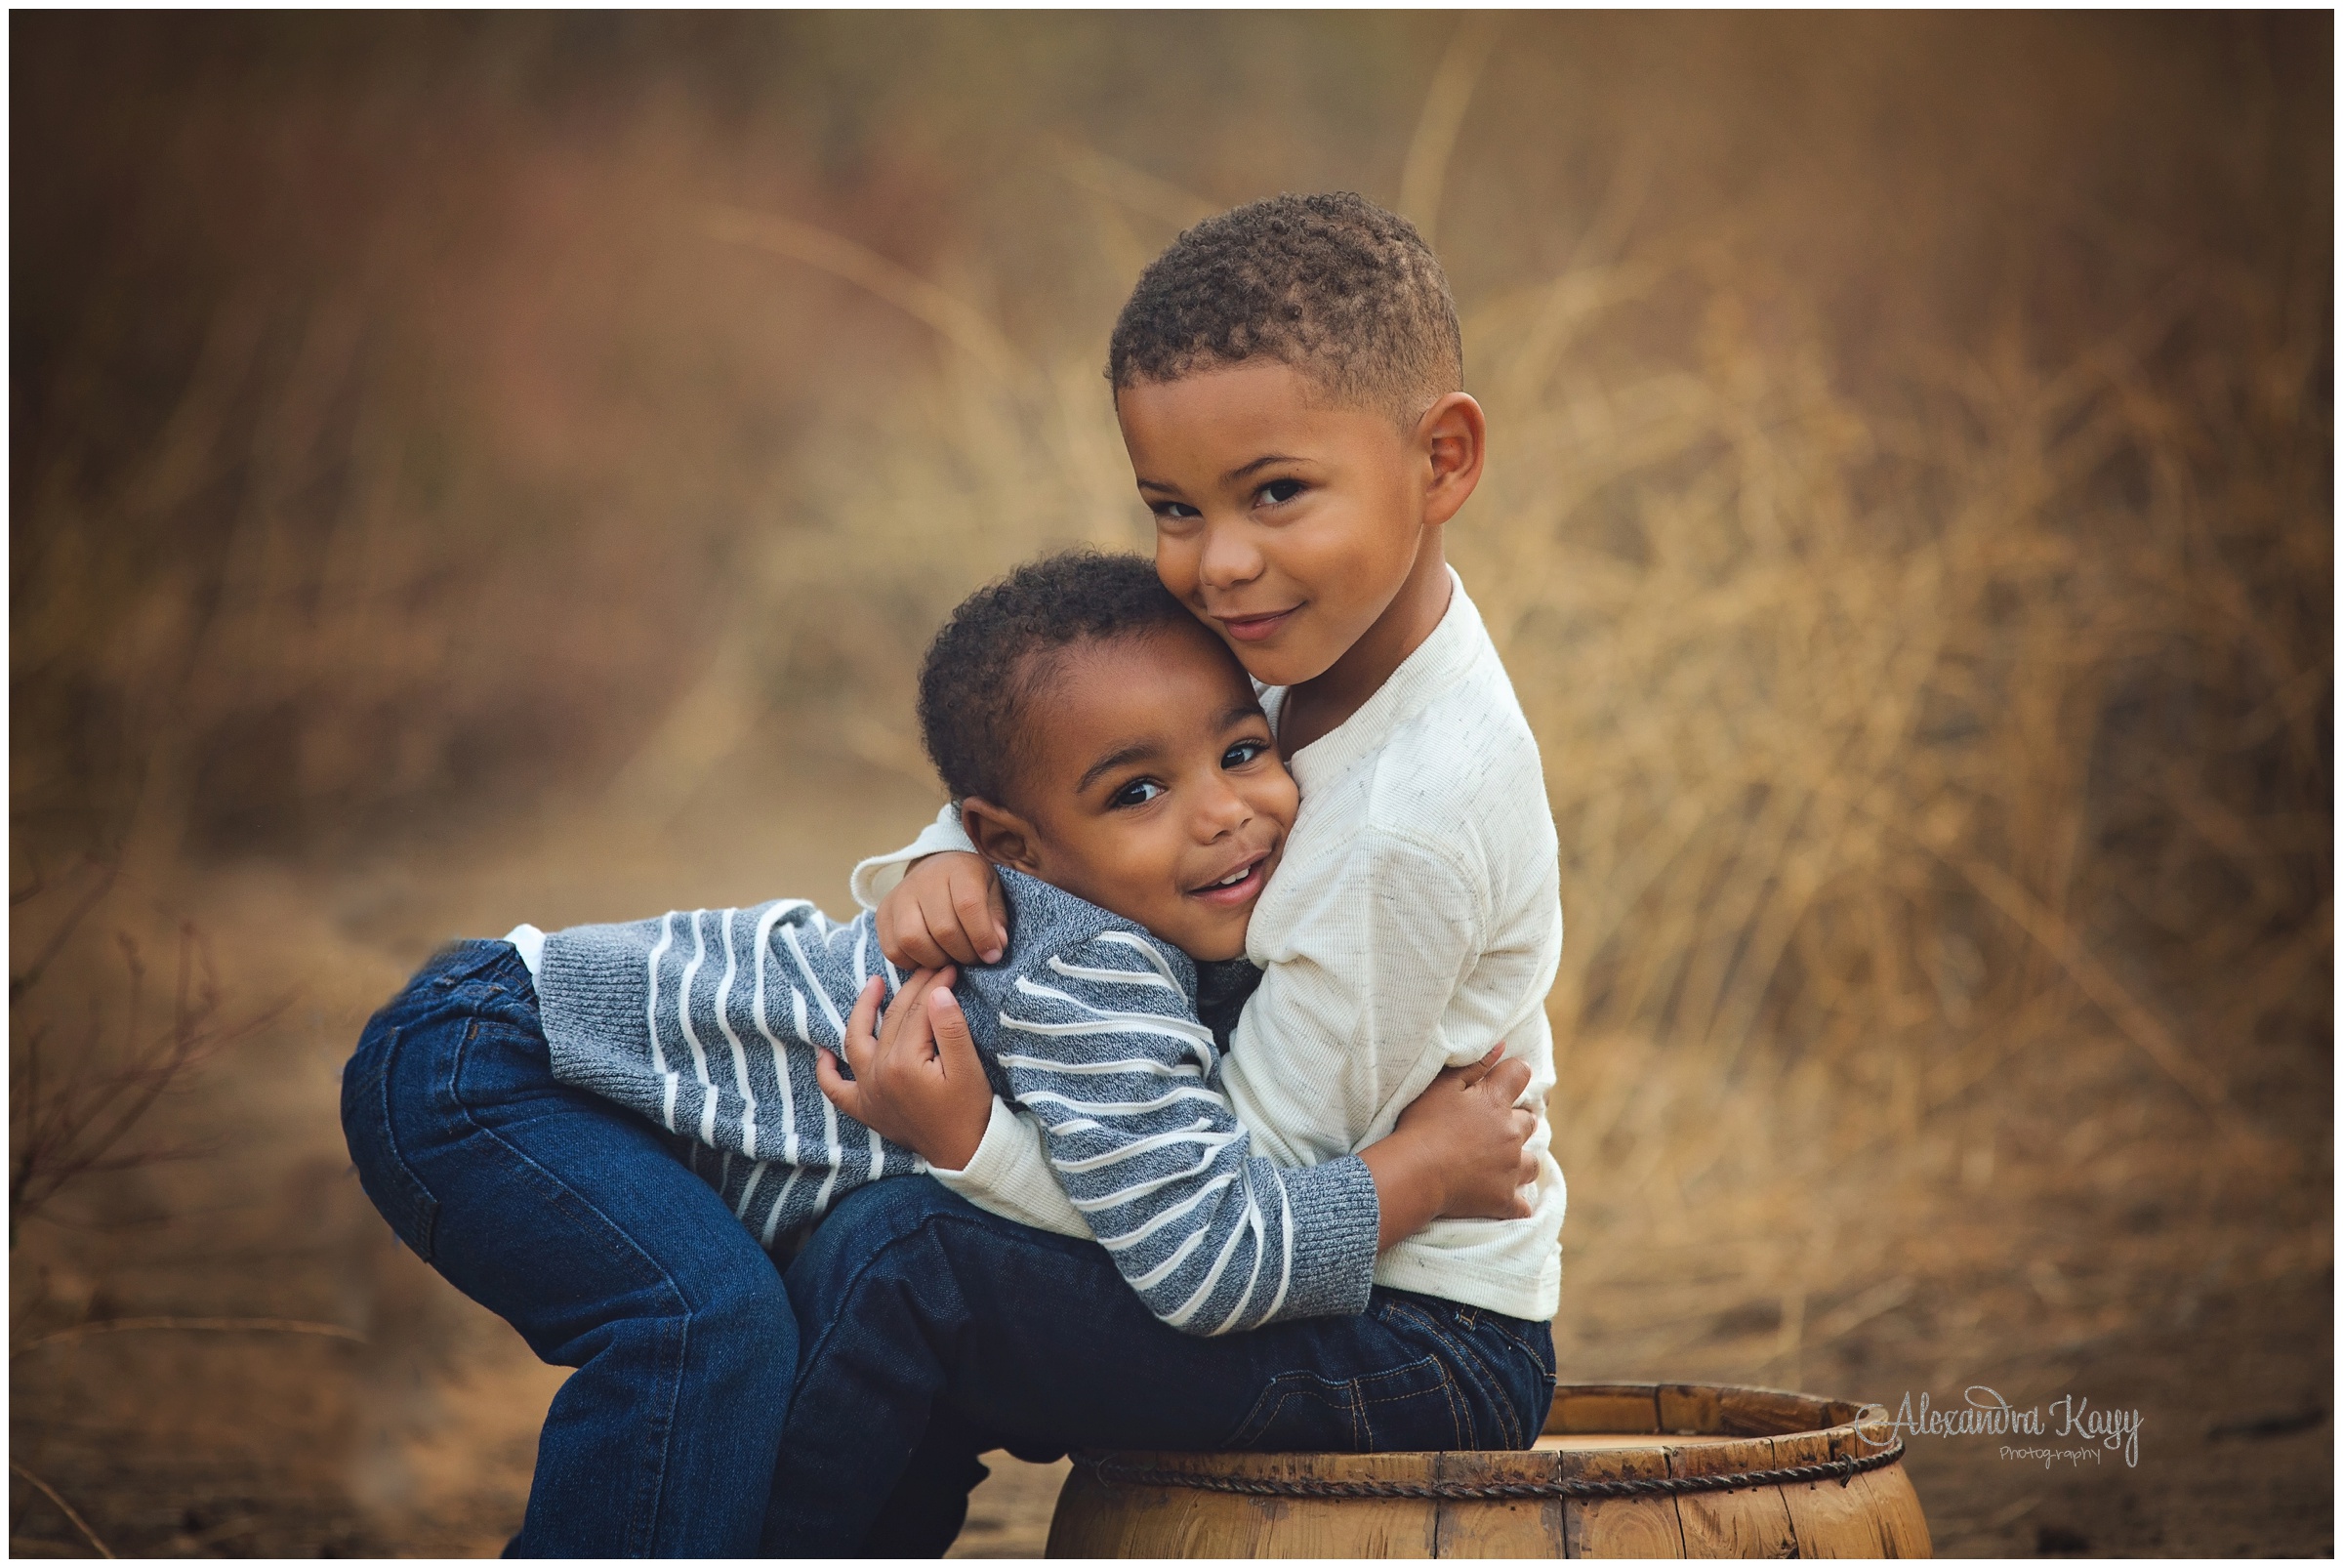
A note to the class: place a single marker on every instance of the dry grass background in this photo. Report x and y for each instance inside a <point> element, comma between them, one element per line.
<point>468,471</point>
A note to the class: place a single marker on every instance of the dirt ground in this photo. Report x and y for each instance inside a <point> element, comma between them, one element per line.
<point>417,1439</point>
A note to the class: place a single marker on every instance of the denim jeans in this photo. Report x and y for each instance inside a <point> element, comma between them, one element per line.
<point>576,1223</point>
<point>935,1330</point>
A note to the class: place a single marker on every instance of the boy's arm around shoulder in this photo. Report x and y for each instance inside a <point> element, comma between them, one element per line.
<point>1100,1042</point>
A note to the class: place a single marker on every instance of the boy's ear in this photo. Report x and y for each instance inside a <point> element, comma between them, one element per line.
<point>1454,434</point>
<point>1000,834</point>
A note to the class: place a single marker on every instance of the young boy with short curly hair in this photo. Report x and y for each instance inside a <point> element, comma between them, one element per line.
<point>1289,381</point>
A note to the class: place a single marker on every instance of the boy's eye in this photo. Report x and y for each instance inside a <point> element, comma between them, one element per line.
<point>1280,490</point>
<point>1242,751</point>
<point>1138,792</point>
<point>1173,511</point>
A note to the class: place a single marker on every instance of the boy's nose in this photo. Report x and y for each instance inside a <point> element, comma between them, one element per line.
<point>1230,560</point>
<point>1220,813</point>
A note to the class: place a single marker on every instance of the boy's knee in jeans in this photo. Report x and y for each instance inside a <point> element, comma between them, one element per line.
<point>741,1314</point>
<point>875,1217</point>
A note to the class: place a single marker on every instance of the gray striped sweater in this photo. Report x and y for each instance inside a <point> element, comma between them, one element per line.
<point>706,1021</point>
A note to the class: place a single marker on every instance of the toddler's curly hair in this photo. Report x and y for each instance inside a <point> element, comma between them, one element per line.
<point>1332,285</point>
<point>992,659</point>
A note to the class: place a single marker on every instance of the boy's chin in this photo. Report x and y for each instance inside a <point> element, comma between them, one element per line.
<point>1214,947</point>
<point>1284,666</point>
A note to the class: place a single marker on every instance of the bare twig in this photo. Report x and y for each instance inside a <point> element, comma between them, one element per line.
<point>31,975</point>
<point>201,1325</point>
<point>65,1130</point>
<point>64,1507</point>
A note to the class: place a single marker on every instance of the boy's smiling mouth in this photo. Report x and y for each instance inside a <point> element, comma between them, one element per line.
<point>1238,885</point>
<point>1257,628</point>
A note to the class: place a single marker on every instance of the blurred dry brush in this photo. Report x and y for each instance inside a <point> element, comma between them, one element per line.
<point>86,1070</point>
<point>1909,526</point>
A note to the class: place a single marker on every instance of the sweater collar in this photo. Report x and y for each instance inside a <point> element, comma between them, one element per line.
<point>1438,663</point>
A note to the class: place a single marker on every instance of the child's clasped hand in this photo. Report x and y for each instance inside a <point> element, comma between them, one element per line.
<point>947,909</point>
<point>917,1079</point>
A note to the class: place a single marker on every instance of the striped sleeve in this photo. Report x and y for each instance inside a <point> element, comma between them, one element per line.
<point>1100,1044</point>
<point>706,1021</point>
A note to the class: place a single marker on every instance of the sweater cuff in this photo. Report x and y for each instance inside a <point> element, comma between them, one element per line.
<point>1336,1220</point>
<point>1009,1176</point>
<point>874,879</point>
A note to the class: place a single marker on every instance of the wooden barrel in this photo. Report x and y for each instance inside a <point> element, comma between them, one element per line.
<point>1624,1470</point>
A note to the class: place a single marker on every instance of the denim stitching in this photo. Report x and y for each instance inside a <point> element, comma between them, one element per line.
<point>419,1207</point>
<point>1286,1388</point>
<point>1467,1427</point>
<point>1488,1388</point>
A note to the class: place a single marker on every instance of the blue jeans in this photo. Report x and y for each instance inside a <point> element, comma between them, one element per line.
<point>935,1330</point>
<point>575,1221</point>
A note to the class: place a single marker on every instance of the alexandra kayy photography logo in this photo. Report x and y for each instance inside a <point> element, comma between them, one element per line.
<point>2093,1433</point>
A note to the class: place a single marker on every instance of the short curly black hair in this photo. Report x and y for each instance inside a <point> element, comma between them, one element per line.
<point>992,659</point>
<point>1331,285</point>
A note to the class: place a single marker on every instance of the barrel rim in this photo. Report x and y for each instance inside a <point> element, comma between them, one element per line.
<point>1845,1428</point>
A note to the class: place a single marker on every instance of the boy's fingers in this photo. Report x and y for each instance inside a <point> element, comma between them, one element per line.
<point>1509,1079</point>
<point>915,1038</point>
<point>973,911</point>
<point>955,1046</point>
<point>905,1025</point>
<point>935,941</point>
<point>944,937</point>
<point>1476,1072</point>
<point>996,904</point>
<point>861,1027</point>
<point>846,1096</point>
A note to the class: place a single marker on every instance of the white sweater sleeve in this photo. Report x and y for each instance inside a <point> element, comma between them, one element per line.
<point>874,879</point>
<point>1009,1176</point>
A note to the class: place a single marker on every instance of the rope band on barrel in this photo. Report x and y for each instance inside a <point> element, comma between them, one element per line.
<point>1114,1472</point>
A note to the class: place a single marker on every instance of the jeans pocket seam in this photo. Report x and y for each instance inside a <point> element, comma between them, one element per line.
<point>1283,1390</point>
<point>418,1222</point>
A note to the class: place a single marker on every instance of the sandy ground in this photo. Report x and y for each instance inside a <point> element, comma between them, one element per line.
<point>420,1439</point>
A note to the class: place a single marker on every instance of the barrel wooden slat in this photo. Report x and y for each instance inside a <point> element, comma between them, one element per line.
<point>1767,1412</point>
<point>1619,1527</point>
<point>1093,1521</point>
<point>1752,1523</point>
<point>1903,1527</point>
<point>1834,1519</point>
<point>1605,1408</point>
<point>1523,1529</point>
<point>1689,1407</point>
<point>1328,1527</point>
<point>1610,1432</point>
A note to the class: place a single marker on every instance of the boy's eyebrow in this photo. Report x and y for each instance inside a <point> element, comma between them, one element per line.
<point>1240,712</point>
<point>1236,473</point>
<point>1230,477</point>
<point>1135,750</point>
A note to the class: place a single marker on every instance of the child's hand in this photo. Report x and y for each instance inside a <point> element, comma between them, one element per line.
<point>1468,1114</point>
<point>948,909</point>
<point>1459,1152</point>
<point>917,1081</point>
